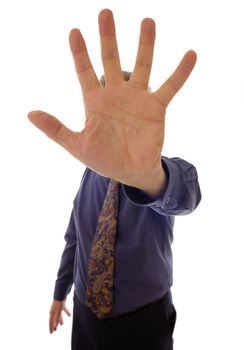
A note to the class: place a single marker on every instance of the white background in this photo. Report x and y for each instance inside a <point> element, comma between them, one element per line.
<point>39,179</point>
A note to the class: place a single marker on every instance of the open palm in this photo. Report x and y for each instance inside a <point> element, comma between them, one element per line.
<point>124,129</point>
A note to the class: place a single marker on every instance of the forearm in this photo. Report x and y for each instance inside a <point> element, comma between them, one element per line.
<point>64,279</point>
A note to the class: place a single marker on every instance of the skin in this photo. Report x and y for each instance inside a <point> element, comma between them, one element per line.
<point>55,315</point>
<point>123,135</point>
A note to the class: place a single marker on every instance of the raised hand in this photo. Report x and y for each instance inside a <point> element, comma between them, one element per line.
<point>124,129</point>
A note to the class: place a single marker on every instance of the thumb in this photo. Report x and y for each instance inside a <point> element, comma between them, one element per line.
<point>67,311</point>
<point>53,128</point>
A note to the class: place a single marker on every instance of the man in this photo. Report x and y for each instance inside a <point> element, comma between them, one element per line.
<point>118,241</point>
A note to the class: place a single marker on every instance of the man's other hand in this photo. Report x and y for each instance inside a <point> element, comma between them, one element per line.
<point>56,316</point>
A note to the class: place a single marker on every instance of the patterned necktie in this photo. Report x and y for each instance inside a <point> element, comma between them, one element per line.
<point>99,292</point>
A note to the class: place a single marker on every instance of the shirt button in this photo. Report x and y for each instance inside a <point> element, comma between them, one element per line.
<point>168,200</point>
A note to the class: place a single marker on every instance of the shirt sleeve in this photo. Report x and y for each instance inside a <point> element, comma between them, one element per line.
<point>182,194</point>
<point>64,280</point>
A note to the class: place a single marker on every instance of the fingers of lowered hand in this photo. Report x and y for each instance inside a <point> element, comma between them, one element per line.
<point>61,320</point>
<point>174,83</point>
<point>54,320</point>
<point>86,74</point>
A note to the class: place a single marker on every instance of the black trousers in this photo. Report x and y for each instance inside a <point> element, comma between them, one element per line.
<point>149,328</point>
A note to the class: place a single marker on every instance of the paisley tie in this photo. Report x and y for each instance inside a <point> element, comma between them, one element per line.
<point>99,292</point>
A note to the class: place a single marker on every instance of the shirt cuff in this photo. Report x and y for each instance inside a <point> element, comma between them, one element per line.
<point>138,197</point>
<point>61,292</point>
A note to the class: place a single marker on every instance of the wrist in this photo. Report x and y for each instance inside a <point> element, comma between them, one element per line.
<point>153,183</point>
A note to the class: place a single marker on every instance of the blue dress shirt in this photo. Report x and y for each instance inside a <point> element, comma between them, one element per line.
<point>143,257</point>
